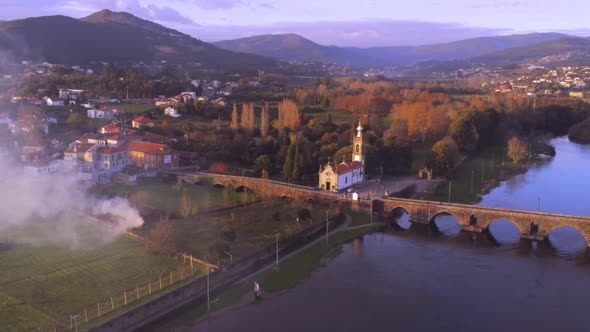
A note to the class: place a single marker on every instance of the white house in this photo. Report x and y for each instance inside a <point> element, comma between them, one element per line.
<point>43,168</point>
<point>171,112</point>
<point>55,102</point>
<point>346,174</point>
<point>101,113</point>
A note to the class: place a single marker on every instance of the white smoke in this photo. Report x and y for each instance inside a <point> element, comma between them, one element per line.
<point>57,210</point>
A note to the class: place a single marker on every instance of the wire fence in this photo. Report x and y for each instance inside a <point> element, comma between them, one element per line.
<point>191,269</point>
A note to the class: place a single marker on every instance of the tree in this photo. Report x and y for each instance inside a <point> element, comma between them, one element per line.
<point>297,164</point>
<point>445,155</point>
<point>464,132</point>
<point>289,162</point>
<point>161,239</point>
<point>188,128</point>
<point>248,117</point>
<point>264,120</point>
<point>344,154</point>
<point>263,162</point>
<point>289,116</point>
<point>234,117</point>
<point>516,149</point>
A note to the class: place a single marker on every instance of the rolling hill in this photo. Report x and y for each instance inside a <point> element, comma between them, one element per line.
<point>112,37</point>
<point>295,47</point>
<point>570,50</point>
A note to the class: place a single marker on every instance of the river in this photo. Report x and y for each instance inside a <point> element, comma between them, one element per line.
<point>422,280</point>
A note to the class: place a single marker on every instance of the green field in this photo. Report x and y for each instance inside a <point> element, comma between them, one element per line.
<point>132,108</point>
<point>41,285</point>
<point>183,199</point>
<point>474,175</point>
<point>254,226</point>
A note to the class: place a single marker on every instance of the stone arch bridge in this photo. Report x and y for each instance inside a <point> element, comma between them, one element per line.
<point>531,224</point>
<point>474,218</point>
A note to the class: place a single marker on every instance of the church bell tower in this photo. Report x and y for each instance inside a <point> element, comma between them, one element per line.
<point>357,145</point>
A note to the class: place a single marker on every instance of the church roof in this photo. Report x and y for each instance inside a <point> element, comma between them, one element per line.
<point>346,167</point>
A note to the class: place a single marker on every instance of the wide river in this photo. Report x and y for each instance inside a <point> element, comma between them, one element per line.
<point>421,280</point>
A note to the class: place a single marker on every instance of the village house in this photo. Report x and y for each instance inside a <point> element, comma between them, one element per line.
<point>346,174</point>
<point>111,128</point>
<point>141,122</point>
<point>55,102</point>
<point>101,113</point>
<point>151,156</point>
<point>171,112</point>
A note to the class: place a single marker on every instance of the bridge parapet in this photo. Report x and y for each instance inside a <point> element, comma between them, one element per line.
<point>477,218</point>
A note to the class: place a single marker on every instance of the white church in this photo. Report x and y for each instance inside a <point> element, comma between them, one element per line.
<point>346,174</point>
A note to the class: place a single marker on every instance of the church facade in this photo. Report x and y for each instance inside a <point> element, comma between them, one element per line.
<point>346,174</point>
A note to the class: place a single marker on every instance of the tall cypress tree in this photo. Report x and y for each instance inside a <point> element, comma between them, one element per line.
<point>289,162</point>
<point>297,164</point>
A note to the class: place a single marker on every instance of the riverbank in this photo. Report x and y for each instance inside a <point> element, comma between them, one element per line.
<point>293,269</point>
<point>479,174</point>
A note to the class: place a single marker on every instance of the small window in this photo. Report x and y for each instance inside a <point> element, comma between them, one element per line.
<point>358,148</point>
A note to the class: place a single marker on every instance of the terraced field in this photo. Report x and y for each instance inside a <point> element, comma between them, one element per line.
<point>40,285</point>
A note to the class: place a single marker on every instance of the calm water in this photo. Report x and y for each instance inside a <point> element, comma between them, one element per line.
<point>423,280</point>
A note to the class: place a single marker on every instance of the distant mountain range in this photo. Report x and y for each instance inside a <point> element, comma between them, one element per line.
<point>492,50</point>
<point>112,37</point>
<point>108,36</point>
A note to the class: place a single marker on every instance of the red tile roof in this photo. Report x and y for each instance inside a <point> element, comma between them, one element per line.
<point>142,119</point>
<point>147,147</point>
<point>109,150</point>
<point>344,168</point>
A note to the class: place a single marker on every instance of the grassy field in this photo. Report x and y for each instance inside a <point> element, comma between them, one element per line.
<point>253,225</point>
<point>132,108</point>
<point>41,285</point>
<point>184,199</point>
<point>484,167</point>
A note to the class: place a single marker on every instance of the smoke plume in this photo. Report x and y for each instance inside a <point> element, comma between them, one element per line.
<point>57,210</point>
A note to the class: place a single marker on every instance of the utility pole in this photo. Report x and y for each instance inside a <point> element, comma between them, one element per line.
<point>482,171</point>
<point>327,212</point>
<point>472,179</point>
<point>539,203</point>
<point>450,184</point>
<point>208,302</point>
<point>277,252</point>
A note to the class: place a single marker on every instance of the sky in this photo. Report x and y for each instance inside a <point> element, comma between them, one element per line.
<point>362,23</point>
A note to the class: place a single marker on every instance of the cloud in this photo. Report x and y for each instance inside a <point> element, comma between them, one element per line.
<point>217,4</point>
<point>362,33</point>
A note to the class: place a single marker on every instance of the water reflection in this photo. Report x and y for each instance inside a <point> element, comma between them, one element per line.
<point>504,233</point>
<point>447,224</point>
<point>567,241</point>
<point>401,219</point>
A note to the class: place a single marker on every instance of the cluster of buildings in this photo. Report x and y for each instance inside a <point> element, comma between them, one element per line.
<point>100,157</point>
<point>559,82</point>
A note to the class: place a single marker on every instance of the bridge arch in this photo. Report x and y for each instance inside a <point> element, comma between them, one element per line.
<point>401,218</point>
<point>218,185</point>
<point>567,239</point>
<point>243,189</point>
<point>447,224</point>
<point>503,230</point>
